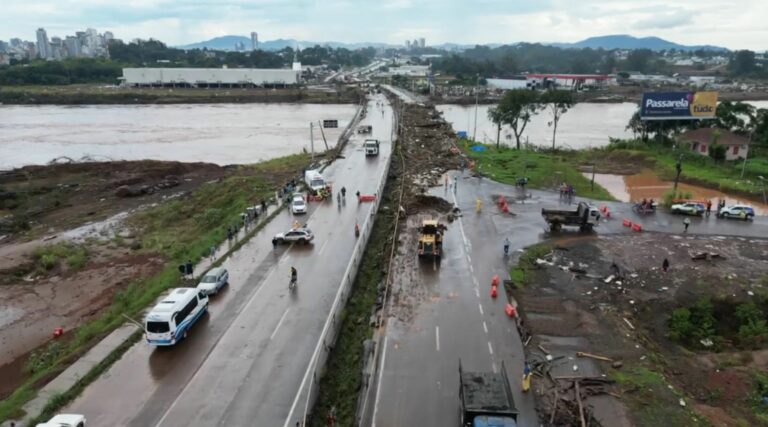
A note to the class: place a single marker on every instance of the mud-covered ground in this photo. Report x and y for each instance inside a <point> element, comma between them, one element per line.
<point>609,296</point>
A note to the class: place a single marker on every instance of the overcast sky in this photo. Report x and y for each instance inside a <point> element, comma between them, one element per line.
<point>736,24</point>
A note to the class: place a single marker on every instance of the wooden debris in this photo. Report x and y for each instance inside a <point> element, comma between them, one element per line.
<point>631,326</point>
<point>593,356</point>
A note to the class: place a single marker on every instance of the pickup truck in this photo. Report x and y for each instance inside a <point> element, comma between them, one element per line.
<point>585,217</point>
<point>486,399</point>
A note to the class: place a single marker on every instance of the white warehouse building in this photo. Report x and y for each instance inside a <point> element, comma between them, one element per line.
<point>210,77</point>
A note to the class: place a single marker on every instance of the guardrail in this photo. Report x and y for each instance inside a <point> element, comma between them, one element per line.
<point>328,336</point>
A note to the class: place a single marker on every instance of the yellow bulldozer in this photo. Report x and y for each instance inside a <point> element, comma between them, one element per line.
<point>431,239</point>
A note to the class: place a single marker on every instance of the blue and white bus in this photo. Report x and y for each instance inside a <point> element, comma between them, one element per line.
<point>170,320</point>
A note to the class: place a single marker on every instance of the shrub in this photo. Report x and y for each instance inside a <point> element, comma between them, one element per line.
<point>694,324</point>
<point>680,326</point>
<point>753,332</point>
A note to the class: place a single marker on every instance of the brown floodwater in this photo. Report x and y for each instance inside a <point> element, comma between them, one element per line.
<point>646,185</point>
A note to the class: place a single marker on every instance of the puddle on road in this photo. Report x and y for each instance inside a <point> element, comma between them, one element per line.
<point>646,184</point>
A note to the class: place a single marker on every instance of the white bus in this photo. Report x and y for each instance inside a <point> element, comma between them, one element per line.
<point>170,320</point>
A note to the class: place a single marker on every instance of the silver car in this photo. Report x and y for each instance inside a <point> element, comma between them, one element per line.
<point>213,281</point>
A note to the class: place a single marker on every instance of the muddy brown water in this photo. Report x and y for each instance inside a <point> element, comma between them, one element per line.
<point>646,185</point>
<point>214,133</point>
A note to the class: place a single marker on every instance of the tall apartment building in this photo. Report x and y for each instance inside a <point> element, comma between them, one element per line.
<point>254,40</point>
<point>43,47</point>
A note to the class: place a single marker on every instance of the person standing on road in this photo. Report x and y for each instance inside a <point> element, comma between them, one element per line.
<point>213,253</point>
<point>506,246</point>
<point>686,223</point>
<point>455,183</point>
<point>709,207</point>
<point>665,265</point>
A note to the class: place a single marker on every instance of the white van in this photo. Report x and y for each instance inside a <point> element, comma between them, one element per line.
<point>314,180</point>
<point>170,320</point>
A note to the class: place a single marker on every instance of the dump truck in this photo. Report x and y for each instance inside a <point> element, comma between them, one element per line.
<point>486,399</point>
<point>584,216</point>
<point>431,239</point>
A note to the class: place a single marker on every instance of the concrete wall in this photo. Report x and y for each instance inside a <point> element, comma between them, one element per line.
<point>194,76</point>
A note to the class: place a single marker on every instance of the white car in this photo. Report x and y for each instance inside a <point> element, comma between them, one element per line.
<point>298,205</point>
<point>300,235</point>
<point>744,212</point>
<point>213,281</point>
<point>689,208</point>
<point>65,420</point>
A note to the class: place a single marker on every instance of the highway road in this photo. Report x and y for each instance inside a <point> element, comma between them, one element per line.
<point>244,363</point>
<point>440,314</point>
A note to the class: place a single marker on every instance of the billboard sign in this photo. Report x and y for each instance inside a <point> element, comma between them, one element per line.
<point>678,105</point>
<point>330,124</point>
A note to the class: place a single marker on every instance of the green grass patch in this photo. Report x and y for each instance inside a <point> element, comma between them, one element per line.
<point>544,171</point>
<point>181,229</point>
<point>650,400</point>
<point>522,274</point>
<point>73,255</point>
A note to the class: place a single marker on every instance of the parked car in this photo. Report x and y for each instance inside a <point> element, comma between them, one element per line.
<point>689,208</point>
<point>298,205</point>
<point>65,420</point>
<point>744,212</point>
<point>213,281</point>
<point>300,235</point>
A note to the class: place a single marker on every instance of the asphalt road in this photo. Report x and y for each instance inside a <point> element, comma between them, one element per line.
<point>243,364</point>
<point>418,382</point>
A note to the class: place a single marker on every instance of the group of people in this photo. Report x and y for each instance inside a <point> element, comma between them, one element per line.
<point>567,192</point>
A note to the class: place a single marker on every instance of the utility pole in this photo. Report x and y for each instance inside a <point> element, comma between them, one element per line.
<point>477,82</point>
<point>592,184</point>
<point>679,168</point>
<point>746,155</point>
<point>312,141</point>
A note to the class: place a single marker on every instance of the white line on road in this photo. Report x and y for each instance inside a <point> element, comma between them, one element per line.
<point>322,248</point>
<point>437,338</point>
<point>378,385</point>
<point>475,281</point>
<point>481,309</point>
<point>280,322</point>
<point>469,258</point>
<point>477,292</point>
<point>472,269</point>
<point>495,368</point>
<point>490,348</point>
<point>485,327</point>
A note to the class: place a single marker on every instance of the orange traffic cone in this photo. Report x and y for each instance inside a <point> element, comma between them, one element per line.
<point>494,293</point>
<point>495,280</point>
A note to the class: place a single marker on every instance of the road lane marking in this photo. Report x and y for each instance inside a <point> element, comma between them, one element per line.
<point>280,322</point>
<point>378,386</point>
<point>477,292</point>
<point>475,281</point>
<point>495,368</point>
<point>322,248</point>
<point>490,348</point>
<point>485,327</point>
<point>437,338</point>
<point>481,309</point>
<point>472,269</point>
<point>469,258</point>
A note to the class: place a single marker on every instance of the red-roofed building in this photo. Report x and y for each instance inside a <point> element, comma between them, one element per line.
<point>699,140</point>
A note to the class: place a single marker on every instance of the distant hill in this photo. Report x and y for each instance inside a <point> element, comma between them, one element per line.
<point>625,41</point>
<point>619,41</point>
<point>229,42</point>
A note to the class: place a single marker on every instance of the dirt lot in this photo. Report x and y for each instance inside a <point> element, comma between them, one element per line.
<point>64,252</point>
<point>609,296</point>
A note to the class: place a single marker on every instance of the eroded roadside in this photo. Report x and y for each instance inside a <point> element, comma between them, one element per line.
<point>675,347</point>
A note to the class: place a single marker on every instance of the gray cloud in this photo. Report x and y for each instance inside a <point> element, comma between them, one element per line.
<point>665,20</point>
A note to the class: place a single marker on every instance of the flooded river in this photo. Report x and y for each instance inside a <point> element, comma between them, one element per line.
<point>585,125</point>
<point>215,133</point>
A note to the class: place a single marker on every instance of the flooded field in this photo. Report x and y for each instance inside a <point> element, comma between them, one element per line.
<point>585,125</point>
<point>647,185</point>
<point>214,133</point>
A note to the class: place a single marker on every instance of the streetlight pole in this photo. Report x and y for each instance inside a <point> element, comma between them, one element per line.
<point>477,82</point>
<point>762,180</point>
<point>746,155</point>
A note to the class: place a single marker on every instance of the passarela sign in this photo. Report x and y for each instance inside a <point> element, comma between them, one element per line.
<point>678,105</point>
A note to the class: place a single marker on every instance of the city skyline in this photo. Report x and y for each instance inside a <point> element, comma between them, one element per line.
<point>486,21</point>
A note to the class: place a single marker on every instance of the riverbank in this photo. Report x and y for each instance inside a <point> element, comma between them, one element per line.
<point>168,229</point>
<point>83,94</point>
<point>613,95</point>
